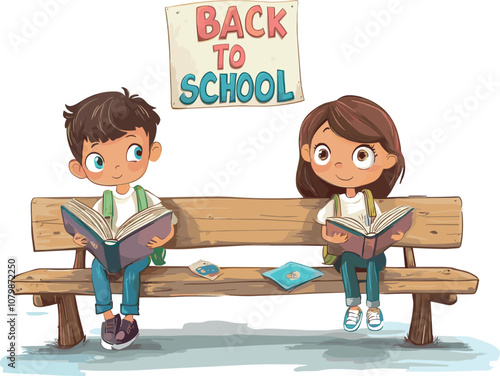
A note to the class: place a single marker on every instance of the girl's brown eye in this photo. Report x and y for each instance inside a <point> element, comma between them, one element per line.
<point>321,154</point>
<point>363,157</point>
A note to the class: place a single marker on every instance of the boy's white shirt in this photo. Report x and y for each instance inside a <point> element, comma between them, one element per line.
<point>352,207</point>
<point>125,206</point>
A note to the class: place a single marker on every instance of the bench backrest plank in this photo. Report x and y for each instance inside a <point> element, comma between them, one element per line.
<point>214,221</point>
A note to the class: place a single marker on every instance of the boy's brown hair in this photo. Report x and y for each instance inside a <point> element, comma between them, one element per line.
<point>108,116</point>
<point>356,119</point>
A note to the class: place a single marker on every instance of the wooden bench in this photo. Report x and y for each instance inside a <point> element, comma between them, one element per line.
<point>214,222</point>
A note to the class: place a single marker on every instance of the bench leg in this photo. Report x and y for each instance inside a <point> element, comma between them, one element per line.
<point>421,321</point>
<point>70,327</point>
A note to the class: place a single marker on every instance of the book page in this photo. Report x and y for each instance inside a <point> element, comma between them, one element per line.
<point>387,218</point>
<point>91,218</point>
<point>141,219</point>
<point>350,223</point>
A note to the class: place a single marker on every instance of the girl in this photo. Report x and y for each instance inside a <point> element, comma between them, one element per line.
<point>347,146</point>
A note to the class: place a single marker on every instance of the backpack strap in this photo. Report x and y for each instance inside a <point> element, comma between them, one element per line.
<point>336,200</point>
<point>329,259</point>
<point>370,204</point>
<point>108,210</point>
<point>142,200</point>
<point>158,255</point>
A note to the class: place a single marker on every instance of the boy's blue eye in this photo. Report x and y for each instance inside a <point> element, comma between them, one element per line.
<point>94,162</point>
<point>134,153</point>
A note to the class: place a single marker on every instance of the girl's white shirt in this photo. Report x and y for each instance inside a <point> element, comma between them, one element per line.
<point>352,207</point>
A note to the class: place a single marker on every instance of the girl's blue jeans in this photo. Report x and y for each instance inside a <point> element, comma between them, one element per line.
<point>349,262</point>
<point>131,285</point>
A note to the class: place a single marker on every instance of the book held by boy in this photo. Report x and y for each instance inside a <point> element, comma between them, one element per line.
<point>128,244</point>
<point>370,240</point>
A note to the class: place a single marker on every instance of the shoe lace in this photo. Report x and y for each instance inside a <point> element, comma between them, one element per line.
<point>352,316</point>
<point>110,326</point>
<point>128,327</point>
<point>372,315</point>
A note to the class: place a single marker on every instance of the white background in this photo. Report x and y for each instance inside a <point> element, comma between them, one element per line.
<point>419,63</point>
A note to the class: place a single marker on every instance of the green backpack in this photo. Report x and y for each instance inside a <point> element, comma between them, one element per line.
<point>158,255</point>
<point>330,259</point>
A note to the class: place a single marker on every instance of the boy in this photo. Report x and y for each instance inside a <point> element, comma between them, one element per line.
<point>111,136</point>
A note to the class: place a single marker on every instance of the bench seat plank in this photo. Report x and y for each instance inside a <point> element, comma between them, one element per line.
<point>244,281</point>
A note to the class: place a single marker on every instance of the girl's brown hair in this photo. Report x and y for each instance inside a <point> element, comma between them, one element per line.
<point>359,120</point>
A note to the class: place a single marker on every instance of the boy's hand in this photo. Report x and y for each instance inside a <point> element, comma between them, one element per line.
<point>336,238</point>
<point>80,240</point>
<point>398,236</point>
<point>159,242</point>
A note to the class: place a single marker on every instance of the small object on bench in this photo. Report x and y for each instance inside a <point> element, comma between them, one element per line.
<point>292,274</point>
<point>205,269</point>
<point>212,222</point>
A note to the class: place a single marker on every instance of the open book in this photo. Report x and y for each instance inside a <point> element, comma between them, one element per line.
<point>128,245</point>
<point>369,241</point>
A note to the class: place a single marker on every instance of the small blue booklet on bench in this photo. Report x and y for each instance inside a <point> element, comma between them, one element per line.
<point>128,244</point>
<point>292,274</point>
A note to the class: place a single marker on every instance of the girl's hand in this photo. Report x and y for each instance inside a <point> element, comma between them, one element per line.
<point>159,242</point>
<point>336,238</point>
<point>398,236</point>
<point>80,240</point>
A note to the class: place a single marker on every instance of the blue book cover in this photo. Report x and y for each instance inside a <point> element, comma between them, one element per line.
<point>292,274</point>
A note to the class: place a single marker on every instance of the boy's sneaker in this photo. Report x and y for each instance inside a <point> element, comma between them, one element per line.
<point>374,319</point>
<point>109,329</point>
<point>128,333</point>
<point>352,319</point>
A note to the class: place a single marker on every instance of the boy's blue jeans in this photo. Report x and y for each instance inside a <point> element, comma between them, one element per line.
<point>131,285</point>
<point>349,262</point>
